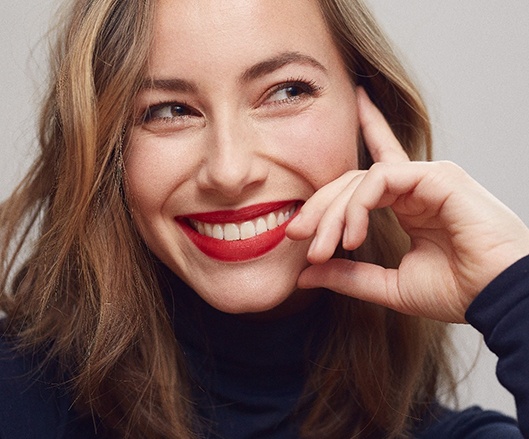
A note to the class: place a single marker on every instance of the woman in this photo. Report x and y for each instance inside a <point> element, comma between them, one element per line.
<point>199,200</point>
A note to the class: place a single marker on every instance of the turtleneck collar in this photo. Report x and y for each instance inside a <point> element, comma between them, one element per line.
<point>245,349</point>
<point>247,375</point>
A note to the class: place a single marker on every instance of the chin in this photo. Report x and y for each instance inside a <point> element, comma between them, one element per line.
<point>249,300</point>
<point>257,286</point>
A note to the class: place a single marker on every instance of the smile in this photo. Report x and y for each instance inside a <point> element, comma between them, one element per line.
<point>242,234</point>
<point>246,229</point>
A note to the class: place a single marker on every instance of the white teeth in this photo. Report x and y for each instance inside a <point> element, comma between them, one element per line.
<point>218,232</point>
<point>260,226</point>
<point>271,221</point>
<point>231,232</point>
<point>245,230</point>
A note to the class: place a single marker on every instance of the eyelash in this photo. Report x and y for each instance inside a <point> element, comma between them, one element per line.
<point>308,87</point>
<point>147,115</point>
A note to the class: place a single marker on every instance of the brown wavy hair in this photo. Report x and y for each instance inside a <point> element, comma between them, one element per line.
<point>80,287</point>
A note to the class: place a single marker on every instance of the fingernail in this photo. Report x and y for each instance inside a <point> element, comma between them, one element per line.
<point>294,222</point>
<point>345,238</point>
<point>296,219</point>
<point>313,246</point>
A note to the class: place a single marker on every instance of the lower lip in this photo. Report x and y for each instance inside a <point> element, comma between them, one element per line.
<point>236,251</point>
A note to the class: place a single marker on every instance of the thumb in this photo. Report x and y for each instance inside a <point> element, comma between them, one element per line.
<point>361,280</point>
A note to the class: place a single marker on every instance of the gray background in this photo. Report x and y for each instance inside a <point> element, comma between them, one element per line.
<point>471,59</point>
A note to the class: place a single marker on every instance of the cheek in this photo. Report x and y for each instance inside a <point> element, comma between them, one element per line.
<point>320,149</point>
<point>143,186</point>
<point>153,169</point>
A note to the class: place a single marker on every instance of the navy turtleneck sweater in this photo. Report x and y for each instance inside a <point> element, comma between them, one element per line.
<point>247,375</point>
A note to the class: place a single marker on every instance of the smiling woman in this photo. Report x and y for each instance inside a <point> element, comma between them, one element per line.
<point>224,236</point>
<point>245,149</point>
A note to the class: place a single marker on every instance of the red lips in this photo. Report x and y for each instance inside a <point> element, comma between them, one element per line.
<point>238,250</point>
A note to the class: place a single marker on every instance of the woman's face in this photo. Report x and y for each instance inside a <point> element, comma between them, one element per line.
<point>246,111</point>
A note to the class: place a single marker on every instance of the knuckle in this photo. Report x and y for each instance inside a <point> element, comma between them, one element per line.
<point>380,167</point>
<point>450,168</point>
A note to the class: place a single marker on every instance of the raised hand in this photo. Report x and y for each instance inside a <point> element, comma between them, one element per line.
<point>461,236</point>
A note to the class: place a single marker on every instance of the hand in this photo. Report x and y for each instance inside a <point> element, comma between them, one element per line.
<point>461,236</point>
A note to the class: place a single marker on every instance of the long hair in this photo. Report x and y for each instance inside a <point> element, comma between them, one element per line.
<point>381,370</point>
<point>86,293</point>
<point>79,286</point>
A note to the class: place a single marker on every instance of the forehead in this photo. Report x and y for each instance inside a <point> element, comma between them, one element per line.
<point>193,35</point>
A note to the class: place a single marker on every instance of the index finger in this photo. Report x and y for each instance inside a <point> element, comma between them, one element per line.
<point>378,136</point>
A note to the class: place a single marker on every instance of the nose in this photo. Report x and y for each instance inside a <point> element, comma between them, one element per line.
<point>232,163</point>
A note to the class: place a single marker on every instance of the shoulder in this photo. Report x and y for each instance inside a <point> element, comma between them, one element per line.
<point>472,423</point>
<point>32,405</point>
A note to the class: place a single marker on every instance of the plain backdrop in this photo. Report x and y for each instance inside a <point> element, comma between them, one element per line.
<point>470,59</point>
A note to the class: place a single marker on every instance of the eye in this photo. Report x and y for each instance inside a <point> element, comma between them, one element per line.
<point>292,91</point>
<point>168,112</point>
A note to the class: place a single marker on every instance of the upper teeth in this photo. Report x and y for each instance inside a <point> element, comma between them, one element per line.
<point>245,230</point>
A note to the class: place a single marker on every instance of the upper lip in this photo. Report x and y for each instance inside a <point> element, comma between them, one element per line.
<point>239,215</point>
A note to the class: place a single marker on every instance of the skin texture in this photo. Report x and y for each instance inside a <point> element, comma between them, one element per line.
<point>239,136</point>
<point>243,138</point>
<point>461,236</point>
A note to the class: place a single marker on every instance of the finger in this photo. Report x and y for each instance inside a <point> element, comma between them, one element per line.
<point>378,285</point>
<point>332,224</point>
<point>382,186</point>
<point>361,280</point>
<point>378,136</point>
<point>305,224</point>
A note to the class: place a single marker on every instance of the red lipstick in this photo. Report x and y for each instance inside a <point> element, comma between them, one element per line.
<point>238,250</point>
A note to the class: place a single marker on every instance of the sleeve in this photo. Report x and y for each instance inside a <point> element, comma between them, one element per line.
<point>501,314</point>
<point>472,423</point>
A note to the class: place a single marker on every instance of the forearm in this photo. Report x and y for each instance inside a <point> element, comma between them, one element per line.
<point>501,314</point>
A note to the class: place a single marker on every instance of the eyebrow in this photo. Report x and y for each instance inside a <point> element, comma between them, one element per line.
<point>256,71</point>
<point>276,62</point>
<point>168,85</point>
